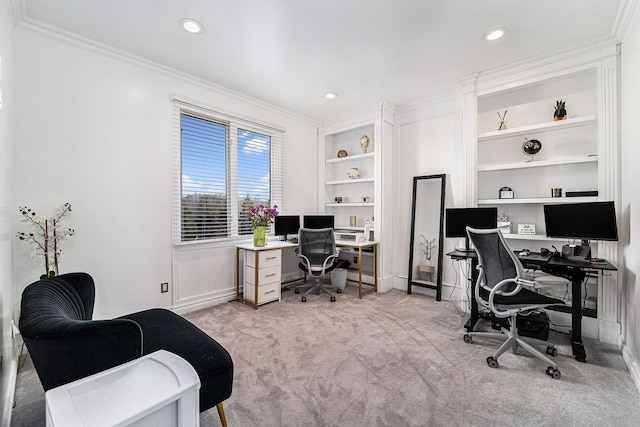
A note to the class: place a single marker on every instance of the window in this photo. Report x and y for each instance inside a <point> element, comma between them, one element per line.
<point>223,165</point>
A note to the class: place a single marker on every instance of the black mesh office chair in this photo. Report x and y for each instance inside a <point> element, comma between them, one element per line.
<point>318,256</point>
<point>502,288</point>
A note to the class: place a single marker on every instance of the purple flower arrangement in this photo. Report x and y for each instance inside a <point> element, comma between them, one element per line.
<point>261,216</point>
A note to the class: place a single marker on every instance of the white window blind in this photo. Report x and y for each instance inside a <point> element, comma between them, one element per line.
<point>222,166</point>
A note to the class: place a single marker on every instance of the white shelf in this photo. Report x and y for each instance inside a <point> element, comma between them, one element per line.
<point>363,156</point>
<point>538,200</point>
<point>539,127</point>
<point>350,181</point>
<point>538,163</point>
<point>347,205</point>
<point>514,236</point>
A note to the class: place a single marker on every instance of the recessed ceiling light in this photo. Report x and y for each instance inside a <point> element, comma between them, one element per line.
<point>331,95</point>
<point>494,34</point>
<point>192,26</point>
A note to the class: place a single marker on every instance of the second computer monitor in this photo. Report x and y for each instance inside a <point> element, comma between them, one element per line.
<point>457,220</point>
<point>318,221</point>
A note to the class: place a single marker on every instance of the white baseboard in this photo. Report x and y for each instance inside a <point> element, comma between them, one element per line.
<point>7,404</point>
<point>205,303</point>
<point>631,363</point>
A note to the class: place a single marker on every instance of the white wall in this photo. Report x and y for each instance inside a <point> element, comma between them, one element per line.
<point>429,142</point>
<point>7,299</point>
<point>630,227</point>
<point>94,130</point>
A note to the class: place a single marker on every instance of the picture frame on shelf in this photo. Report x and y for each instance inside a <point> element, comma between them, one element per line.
<point>505,193</point>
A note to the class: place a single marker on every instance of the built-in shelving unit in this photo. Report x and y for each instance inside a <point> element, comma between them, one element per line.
<point>580,153</point>
<point>358,194</point>
<point>569,156</point>
<point>368,197</point>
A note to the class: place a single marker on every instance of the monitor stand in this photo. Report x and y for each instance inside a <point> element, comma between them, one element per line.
<point>466,249</point>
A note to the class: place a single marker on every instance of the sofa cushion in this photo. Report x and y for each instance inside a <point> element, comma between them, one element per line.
<point>165,330</point>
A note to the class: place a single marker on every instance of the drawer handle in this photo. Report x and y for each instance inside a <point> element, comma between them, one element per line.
<point>269,275</point>
<point>271,257</point>
<point>269,292</point>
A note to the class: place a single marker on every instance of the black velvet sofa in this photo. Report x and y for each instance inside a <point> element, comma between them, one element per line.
<point>66,345</point>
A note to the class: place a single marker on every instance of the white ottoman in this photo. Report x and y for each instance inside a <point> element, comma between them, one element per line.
<point>159,389</point>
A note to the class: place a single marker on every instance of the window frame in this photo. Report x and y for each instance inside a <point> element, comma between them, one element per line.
<point>234,123</point>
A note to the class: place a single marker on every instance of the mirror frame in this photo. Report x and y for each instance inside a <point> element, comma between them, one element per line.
<point>410,281</point>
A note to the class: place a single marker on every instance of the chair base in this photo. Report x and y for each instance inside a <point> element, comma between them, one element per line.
<point>317,288</point>
<point>511,340</point>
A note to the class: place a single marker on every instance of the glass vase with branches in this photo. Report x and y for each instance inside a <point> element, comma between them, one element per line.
<point>46,236</point>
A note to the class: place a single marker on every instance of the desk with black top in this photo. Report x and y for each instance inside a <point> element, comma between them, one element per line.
<point>570,269</point>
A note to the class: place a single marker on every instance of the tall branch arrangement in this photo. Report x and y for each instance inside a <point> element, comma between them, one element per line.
<point>427,246</point>
<point>46,236</point>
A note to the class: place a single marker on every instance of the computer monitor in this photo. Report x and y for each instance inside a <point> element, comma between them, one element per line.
<point>581,221</point>
<point>318,221</point>
<point>457,220</point>
<point>286,224</point>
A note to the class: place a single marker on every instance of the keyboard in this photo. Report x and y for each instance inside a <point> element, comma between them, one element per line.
<point>534,257</point>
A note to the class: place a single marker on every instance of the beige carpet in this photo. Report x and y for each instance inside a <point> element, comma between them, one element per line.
<point>389,360</point>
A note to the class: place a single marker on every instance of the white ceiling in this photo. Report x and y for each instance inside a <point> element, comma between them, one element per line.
<point>291,52</point>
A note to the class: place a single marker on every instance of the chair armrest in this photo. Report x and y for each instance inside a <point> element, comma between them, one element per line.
<point>85,348</point>
<point>497,291</point>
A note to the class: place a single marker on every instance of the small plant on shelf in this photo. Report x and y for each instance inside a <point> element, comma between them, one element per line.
<point>560,113</point>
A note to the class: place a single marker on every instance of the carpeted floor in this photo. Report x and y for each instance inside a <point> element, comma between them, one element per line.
<point>388,359</point>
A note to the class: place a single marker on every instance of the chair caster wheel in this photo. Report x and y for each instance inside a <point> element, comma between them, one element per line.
<point>467,338</point>
<point>303,299</point>
<point>339,291</point>
<point>553,373</point>
<point>333,299</point>
<point>296,290</point>
<point>552,351</point>
<point>492,362</point>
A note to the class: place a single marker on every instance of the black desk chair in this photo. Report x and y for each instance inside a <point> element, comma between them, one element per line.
<point>502,288</point>
<point>318,256</point>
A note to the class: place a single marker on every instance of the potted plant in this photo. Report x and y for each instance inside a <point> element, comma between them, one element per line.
<point>426,246</point>
<point>260,218</point>
<point>560,113</point>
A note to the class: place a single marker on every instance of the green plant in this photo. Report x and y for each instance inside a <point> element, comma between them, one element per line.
<point>47,236</point>
<point>560,109</point>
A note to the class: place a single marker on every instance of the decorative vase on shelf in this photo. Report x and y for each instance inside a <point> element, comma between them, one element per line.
<point>259,236</point>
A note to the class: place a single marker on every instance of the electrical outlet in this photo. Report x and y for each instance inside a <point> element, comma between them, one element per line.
<point>164,287</point>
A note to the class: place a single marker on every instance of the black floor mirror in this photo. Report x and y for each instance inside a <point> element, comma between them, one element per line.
<point>427,222</point>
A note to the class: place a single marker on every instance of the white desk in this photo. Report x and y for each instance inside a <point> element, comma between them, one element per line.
<point>262,272</point>
<point>264,269</point>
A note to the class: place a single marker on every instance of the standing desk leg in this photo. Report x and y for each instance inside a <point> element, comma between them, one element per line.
<point>576,318</point>
<point>475,315</point>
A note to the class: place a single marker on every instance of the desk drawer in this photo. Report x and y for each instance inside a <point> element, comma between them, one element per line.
<point>265,275</point>
<point>266,258</point>
<point>266,293</point>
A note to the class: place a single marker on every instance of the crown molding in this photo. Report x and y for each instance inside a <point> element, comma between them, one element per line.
<point>579,57</point>
<point>625,14</point>
<point>430,108</point>
<point>24,22</point>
